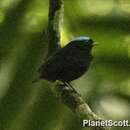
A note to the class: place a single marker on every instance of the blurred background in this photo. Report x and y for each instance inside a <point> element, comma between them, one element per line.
<point>106,86</point>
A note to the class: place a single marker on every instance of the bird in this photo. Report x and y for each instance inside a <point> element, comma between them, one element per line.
<point>70,62</point>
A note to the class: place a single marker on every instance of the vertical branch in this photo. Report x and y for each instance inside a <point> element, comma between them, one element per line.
<point>54,24</point>
<point>67,95</point>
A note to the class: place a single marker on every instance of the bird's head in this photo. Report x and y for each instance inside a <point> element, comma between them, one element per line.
<point>87,41</point>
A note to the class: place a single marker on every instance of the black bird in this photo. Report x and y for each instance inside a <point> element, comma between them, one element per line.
<point>70,62</point>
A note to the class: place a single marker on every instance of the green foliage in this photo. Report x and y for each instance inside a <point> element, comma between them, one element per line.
<point>23,46</point>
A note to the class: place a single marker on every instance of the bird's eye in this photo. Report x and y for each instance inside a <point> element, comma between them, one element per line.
<point>90,41</point>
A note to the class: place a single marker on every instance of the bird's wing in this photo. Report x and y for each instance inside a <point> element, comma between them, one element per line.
<point>52,63</point>
<point>57,61</point>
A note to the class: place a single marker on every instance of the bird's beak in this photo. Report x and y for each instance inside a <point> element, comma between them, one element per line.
<point>95,44</point>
